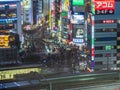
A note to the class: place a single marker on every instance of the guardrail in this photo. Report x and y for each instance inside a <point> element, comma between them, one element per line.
<point>84,79</point>
<point>63,81</point>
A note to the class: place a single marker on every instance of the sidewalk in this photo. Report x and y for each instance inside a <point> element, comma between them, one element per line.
<point>53,71</point>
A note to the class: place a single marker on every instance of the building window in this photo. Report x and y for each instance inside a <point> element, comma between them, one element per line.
<point>27,19</point>
<point>27,11</point>
<point>118,38</point>
<point>27,15</point>
<point>118,47</point>
<point>99,63</point>
<point>118,25</point>
<point>106,30</point>
<point>104,47</point>
<point>118,58</point>
<point>114,62</point>
<point>99,48</point>
<point>106,39</point>
<point>114,54</point>
<point>98,55</point>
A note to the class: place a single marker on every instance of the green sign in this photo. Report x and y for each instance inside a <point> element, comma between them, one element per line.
<point>93,41</point>
<point>108,47</point>
<point>78,2</point>
<point>93,7</point>
<point>64,14</point>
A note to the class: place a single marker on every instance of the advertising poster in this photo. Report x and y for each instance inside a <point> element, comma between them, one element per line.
<point>65,5</point>
<point>77,19</point>
<point>78,34</point>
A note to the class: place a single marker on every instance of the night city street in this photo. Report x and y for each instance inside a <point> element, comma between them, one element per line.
<point>59,45</point>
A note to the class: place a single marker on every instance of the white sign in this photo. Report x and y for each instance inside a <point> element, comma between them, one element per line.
<point>78,40</point>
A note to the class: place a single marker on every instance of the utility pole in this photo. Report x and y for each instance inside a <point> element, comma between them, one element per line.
<point>107,64</point>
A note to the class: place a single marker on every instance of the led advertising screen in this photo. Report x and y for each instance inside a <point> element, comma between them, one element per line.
<point>78,33</point>
<point>77,19</point>
<point>104,6</point>
<point>78,2</point>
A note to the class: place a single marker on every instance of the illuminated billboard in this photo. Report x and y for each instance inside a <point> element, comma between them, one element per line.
<point>78,34</point>
<point>27,4</point>
<point>65,5</point>
<point>78,2</point>
<point>104,6</point>
<point>10,74</point>
<point>77,19</point>
<point>4,41</point>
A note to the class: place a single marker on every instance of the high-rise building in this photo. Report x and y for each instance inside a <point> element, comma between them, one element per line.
<point>10,16</point>
<point>10,31</point>
<point>102,33</point>
<point>34,10</point>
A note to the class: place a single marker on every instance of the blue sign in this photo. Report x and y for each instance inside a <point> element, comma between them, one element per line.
<point>78,40</point>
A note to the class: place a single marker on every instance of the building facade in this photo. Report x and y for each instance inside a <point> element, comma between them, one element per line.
<point>102,36</point>
<point>10,16</point>
<point>34,10</point>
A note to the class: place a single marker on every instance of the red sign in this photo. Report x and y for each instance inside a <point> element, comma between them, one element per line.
<point>108,21</point>
<point>104,4</point>
<point>93,52</point>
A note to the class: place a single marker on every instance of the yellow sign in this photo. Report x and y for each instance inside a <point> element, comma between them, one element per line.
<point>50,19</point>
<point>59,23</point>
<point>10,74</point>
<point>4,40</point>
<point>66,5</point>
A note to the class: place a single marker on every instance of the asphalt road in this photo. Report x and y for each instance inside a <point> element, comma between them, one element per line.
<point>113,86</point>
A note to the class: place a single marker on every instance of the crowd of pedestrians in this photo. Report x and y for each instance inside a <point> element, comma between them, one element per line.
<point>55,55</point>
<point>58,55</point>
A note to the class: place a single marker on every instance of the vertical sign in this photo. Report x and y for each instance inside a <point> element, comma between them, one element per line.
<point>40,8</point>
<point>93,50</point>
<point>92,6</point>
<point>27,4</point>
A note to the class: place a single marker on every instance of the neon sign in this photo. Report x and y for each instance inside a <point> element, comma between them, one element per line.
<point>108,21</point>
<point>104,6</point>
